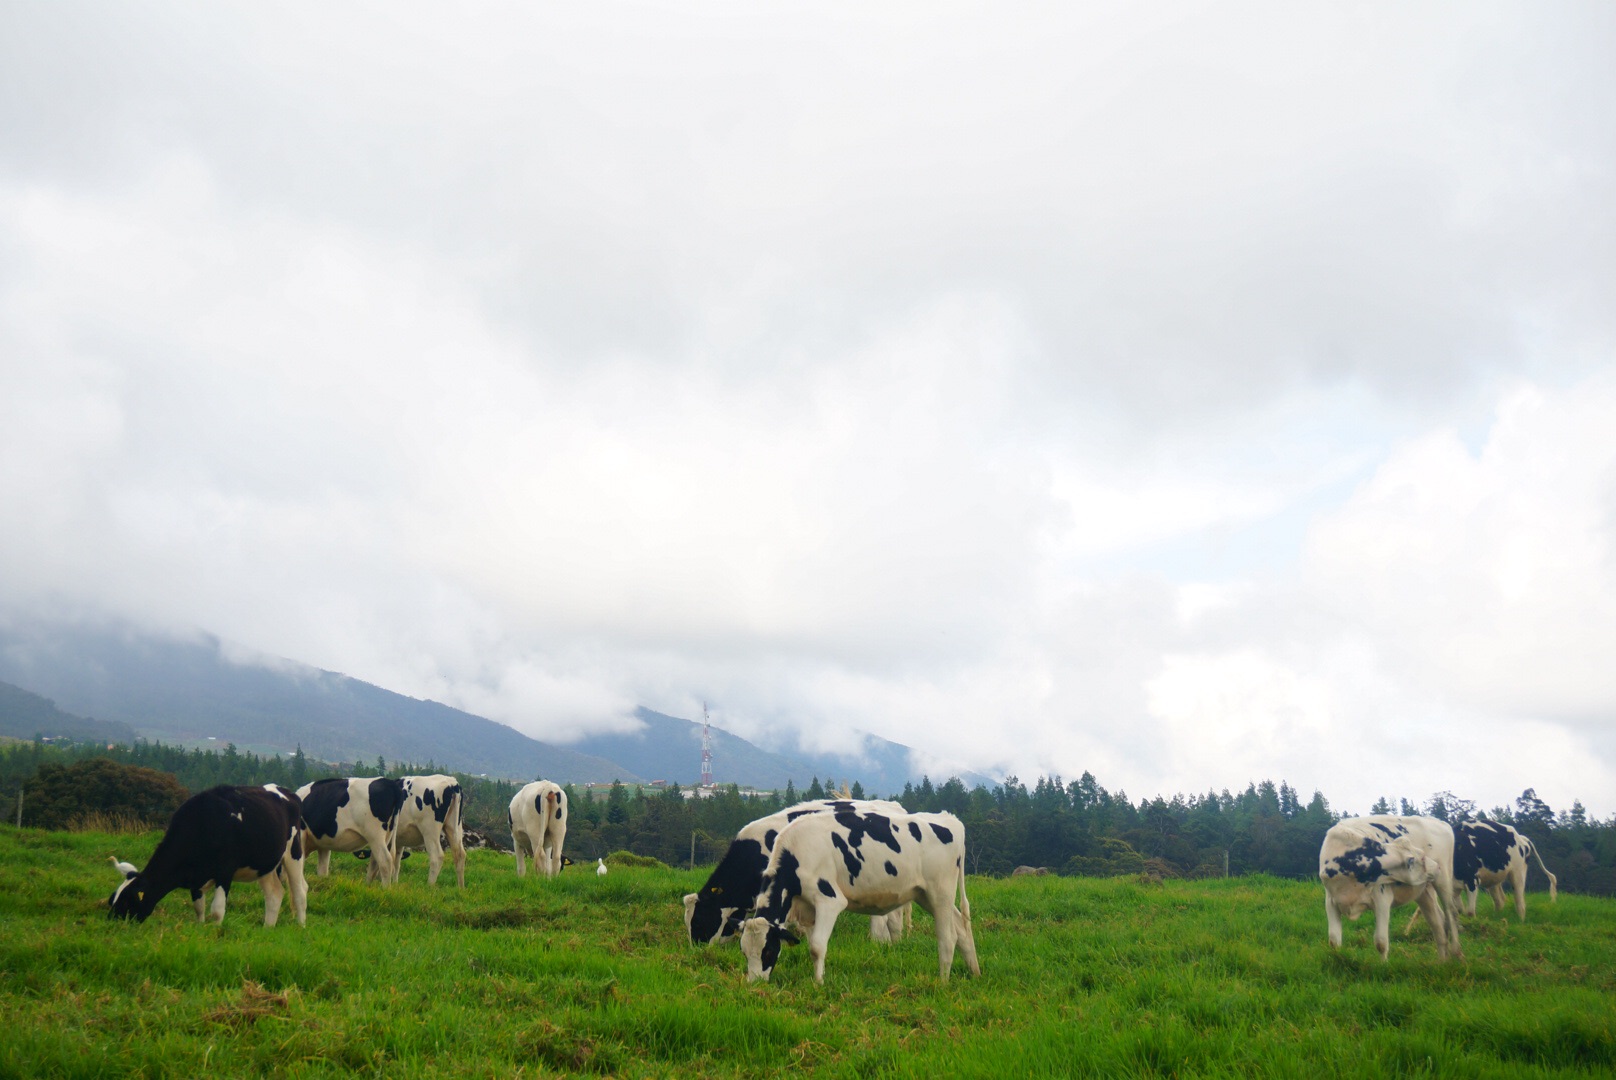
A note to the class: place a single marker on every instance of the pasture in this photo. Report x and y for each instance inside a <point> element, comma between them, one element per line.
<point>589,975</point>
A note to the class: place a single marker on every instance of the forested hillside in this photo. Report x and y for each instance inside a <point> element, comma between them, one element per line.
<point>1077,828</point>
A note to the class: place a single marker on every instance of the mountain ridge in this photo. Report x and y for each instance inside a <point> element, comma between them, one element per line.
<point>194,692</point>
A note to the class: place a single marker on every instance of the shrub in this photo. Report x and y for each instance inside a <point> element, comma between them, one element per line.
<point>59,795</point>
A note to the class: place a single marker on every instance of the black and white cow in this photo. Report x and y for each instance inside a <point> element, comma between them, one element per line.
<point>349,815</point>
<point>714,913</point>
<point>538,817</point>
<point>218,837</point>
<point>430,817</point>
<point>1488,853</point>
<point>868,862</point>
<point>1382,861</point>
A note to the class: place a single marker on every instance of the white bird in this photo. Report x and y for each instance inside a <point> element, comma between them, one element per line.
<point>126,869</point>
<point>600,867</point>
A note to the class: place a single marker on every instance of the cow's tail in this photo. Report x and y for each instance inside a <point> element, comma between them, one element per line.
<point>1554,883</point>
<point>965,901</point>
<point>457,802</point>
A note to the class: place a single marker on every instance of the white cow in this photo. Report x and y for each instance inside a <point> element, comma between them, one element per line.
<point>715,912</point>
<point>431,818</point>
<point>1382,861</point>
<point>538,817</point>
<point>868,862</point>
<point>350,814</point>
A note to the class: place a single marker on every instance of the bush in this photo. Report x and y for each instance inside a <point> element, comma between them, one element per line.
<point>1115,859</point>
<point>60,795</point>
<point>628,858</point>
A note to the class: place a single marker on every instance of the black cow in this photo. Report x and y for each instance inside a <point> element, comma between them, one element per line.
<point>352,814</point>
<point>221,836</point>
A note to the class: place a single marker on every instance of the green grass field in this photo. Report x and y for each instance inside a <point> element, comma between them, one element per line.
<point>590,975</point>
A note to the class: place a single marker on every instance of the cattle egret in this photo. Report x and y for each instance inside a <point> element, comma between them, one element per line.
<point>600,867</point>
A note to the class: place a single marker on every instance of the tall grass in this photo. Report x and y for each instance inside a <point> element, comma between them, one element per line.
<point>591,975</point>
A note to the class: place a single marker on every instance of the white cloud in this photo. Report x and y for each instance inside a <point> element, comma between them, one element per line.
<point>908,371</point>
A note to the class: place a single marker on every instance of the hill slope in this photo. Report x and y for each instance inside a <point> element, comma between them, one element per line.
<point>188,691</point>
<point>24,715</point>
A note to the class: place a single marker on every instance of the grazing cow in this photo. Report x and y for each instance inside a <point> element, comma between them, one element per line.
<point>352,814</point>
<point>538,817</point>
<point>715,912</point>
<point>863,861</point>
<point>1488,853</point>
<point>430,817</point>
<point>129,870</point>
<point>1384,861</point>
<point>218,837</point>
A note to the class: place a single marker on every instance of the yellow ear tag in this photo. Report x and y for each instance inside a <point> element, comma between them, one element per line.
<point>140,896</point>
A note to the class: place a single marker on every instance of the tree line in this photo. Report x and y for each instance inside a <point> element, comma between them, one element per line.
<point>1075,828</point>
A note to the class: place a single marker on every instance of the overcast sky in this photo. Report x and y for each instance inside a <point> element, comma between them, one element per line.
<point>1187,393</point>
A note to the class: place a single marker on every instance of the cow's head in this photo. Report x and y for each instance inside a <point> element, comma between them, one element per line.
<point>760,942</point>
<point>134,899</point>
<point>1416,870</point>
<point>706,917</point>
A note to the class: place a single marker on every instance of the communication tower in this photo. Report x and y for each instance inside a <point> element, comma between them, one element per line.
<point>706,749</point>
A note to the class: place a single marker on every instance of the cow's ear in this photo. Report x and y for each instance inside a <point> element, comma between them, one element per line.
<point>789,938</point>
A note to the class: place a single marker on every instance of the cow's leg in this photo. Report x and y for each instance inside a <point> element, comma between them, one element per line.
<point>1517,881</point>
<point>293,867</point>
<point>517,840</point>
<point>200,905</point>
<point>221,897</point>
<point>381,859</point>
<point>434,854</point>
<point>1497,893</point>
<point>1471,892</point>
<point>325,862</point>
<point>274,891</point>
<point>826,909</point>
<point>1332,919</point>
<point>947,936</point>
<point>967,943</point>
<point>1426,904</point>
<point>1444,884</point>
<point>1383,918</point>
<point>457,848</point>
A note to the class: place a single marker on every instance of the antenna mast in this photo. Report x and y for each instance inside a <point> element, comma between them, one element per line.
<point>706,749</point>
